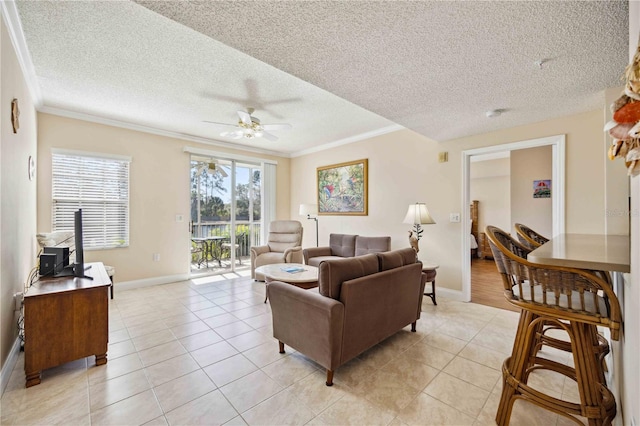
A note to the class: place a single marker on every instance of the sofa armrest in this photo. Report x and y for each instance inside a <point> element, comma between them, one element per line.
<point>293,255</point>
<point>308,322</point>
<point>315,252</point>
<point>258,250</point>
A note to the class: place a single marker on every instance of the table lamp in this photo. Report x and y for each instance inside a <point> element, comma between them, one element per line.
<point>417,215</point>
<point>308,210</point>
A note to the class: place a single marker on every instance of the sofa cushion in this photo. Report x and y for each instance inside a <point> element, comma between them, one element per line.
<point>342,245</point>
<point>366,245</point>
<point>396,258</point>
<point>315,261</point>
<point>332,273</point>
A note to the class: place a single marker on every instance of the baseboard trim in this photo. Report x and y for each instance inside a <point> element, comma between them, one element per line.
<point>8,366</point>
<point>148,282</point>
<point>448,293</point>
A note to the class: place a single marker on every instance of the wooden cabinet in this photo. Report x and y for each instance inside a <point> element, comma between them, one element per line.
<point>65,319</point>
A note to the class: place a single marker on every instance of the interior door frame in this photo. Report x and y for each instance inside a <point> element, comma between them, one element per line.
<point>558,147</point>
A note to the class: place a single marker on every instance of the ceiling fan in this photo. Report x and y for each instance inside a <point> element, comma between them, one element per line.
<point>250,127</point>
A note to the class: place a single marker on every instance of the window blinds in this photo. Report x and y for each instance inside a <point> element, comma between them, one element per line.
<point>98,186</point>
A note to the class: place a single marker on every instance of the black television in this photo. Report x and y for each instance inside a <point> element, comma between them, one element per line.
<point>77,269</point>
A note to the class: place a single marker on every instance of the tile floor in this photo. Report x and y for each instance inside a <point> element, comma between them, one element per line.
<point>187,353</point>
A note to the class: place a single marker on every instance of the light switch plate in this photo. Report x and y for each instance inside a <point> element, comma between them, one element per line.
<point>179,218</point>
<point>454,217</point>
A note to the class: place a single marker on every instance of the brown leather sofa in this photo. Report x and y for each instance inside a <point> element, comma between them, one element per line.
<point>345,245</point>
<point>361,301</point>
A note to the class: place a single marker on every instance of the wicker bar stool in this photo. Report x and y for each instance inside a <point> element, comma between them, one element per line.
<point>529,237</point>
<point>566,298</point>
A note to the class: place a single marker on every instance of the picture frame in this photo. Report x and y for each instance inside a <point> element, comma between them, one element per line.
<point>542,188</point>
<point>343,188</point>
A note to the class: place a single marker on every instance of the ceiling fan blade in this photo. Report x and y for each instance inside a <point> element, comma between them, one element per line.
<point>269,136</point>
<point>234,135</point>
<point>282,126</point>
<point>245,117</point>
<point>220,124</point>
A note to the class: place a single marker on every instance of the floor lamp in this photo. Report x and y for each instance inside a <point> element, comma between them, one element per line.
<point>308,210</point>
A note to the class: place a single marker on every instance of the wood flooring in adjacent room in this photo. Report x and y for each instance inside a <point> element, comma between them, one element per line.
<point>486,285</point>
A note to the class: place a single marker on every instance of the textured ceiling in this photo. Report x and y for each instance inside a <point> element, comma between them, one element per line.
<point>433,67</point>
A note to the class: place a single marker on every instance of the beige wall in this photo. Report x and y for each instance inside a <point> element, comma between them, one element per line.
<point>18,207</point>
<point>528,165</point>
<point>159,190</point>
<point>490,184</point>
<point>404,168</point>
<point>631,337</point>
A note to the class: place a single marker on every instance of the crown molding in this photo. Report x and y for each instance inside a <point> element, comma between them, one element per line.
<point>350,139</point>
<point>153,130</point>
<point>16,35</point>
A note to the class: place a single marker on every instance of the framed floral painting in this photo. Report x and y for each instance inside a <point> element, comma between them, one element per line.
<point>342,188</point>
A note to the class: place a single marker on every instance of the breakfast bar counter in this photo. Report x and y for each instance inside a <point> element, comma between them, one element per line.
<point>585,251</point>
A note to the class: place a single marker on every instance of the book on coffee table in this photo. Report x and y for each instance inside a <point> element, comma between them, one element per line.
<point>292,269</point>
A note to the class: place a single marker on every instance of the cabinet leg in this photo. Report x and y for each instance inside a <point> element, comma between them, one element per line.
<point>33,379</point>
<point>101,359</point>
<point>281,346</point>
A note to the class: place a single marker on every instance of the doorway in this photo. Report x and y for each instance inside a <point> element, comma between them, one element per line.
<point>557,144</point>
<point>226,220</point>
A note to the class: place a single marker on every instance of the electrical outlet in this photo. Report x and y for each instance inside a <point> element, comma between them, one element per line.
<point>179,218</point>
<point>454,217</point>
<point>156,257</point>
<point>18,298</point>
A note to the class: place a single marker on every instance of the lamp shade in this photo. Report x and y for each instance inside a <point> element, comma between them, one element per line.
<point>308,209</point>
<point>417,214</point>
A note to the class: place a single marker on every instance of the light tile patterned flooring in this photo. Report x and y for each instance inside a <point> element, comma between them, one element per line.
<point>183,353</point>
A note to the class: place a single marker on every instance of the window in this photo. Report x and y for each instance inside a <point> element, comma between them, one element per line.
<point>99,185</point>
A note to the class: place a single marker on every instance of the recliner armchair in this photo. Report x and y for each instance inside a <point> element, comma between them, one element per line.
<point>283,246</point>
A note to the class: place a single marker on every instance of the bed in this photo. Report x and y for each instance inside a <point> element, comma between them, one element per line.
<point>474,236</point>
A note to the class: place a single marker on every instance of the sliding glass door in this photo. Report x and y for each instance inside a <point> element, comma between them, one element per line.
<point>226,206</point>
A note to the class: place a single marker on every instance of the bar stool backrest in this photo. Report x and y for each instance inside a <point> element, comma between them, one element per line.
<point>529,237</point>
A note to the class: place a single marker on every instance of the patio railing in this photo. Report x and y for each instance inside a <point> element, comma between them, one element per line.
<point>247,233</point>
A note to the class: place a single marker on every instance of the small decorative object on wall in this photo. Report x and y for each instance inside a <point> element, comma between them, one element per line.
<point>342,189</point>
<point>15,115</point>
<point>542,188</point>
<point>32,168</point>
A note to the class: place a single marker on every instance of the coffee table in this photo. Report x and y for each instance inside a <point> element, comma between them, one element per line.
<point>308,278</point>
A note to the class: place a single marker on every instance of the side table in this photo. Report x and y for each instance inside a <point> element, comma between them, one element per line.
<point>429,269</point>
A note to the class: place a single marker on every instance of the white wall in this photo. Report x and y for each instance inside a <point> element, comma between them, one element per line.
<point>404,168</point>
<point>18,207</point>
<point>159,190</point>
<point>631,348</point>
<point>490,184</point>
<point>528,165</point>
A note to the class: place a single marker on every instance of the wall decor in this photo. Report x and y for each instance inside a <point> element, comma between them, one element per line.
<point>542,188</point>
<point>342,188</point>
<point>15,115</point>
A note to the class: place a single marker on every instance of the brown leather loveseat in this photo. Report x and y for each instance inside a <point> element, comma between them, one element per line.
<point>345,245</point>
<point>361,301</point>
